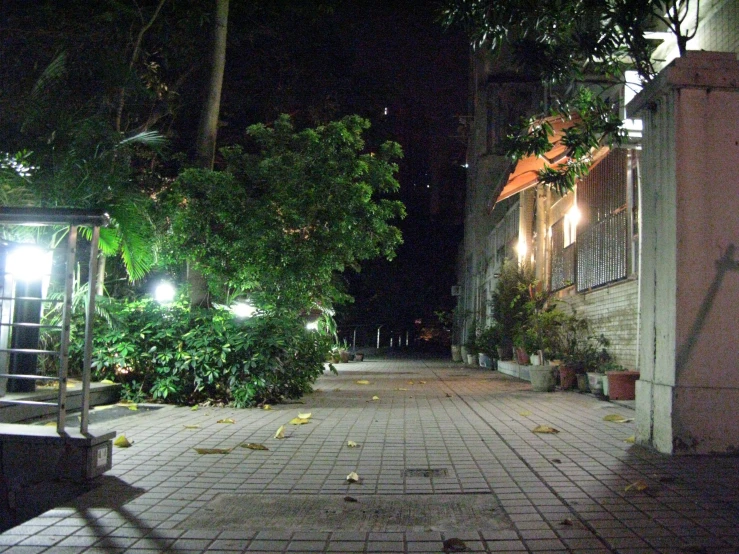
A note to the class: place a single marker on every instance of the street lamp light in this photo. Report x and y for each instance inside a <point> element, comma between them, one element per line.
<point>243,310</point>
<point>164,292</point>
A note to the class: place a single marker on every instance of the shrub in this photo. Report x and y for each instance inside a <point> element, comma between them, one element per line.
<point>187,356</point>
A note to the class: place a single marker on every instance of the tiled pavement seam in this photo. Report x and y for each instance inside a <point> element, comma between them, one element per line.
<point>464,419</point>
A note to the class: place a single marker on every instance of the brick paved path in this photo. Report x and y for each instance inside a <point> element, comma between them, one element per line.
<point>455,441</point>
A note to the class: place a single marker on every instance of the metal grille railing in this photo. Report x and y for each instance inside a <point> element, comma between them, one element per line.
<point>602,251</point>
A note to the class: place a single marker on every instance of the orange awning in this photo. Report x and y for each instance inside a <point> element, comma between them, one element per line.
<point>526,172</point>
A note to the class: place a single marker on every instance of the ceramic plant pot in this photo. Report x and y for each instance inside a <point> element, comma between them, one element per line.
<point>622,384</point>
<point>456,353</point>
<point>542,378</point>
<point>595,382</point>
<point>567,377</point>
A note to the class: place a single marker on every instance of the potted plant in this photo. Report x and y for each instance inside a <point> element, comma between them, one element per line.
<point>470,348</point>
<point>487,342</point>
<point>509,303</point>
<point>621,383</point>
<point>580,351</point>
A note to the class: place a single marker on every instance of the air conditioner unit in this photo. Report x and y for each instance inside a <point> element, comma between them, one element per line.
<point>456,290</point>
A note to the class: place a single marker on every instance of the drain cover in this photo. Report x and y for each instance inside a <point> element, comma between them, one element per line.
<point>426,472</point>
<point>371,513</point>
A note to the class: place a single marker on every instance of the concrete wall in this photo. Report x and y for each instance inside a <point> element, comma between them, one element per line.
<point>689,282</point>
<point>613,311</point>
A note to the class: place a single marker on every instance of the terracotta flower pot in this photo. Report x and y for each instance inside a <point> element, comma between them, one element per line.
<point>622,384</point>
<point>567,377</point>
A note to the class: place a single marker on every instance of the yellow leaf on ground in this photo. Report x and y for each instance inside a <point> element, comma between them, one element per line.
<point>212,450</point>
<point>351,444</point>
<point>192,426</point>
<point>107,382</point>
<point>411,383</point>
<point>363,382</point>
<point>637,486</point>
<point>280,433</point>
<point>631,439</point>
<point>524,413</point>
<point>267,407</point>
<point>353,477</point>
<point>401,389</point>
<point>299,421</point>
<point>375,398</point>
<point>254,446</point>
<point>617,418</point>
<point>122,442</point>
<point>133,407</point>
<point>544,429</point>
<point>195,407</point>
<point>422,382</point>
<point>226,420</point>
<point>50,424</point>
<point>305,416</point>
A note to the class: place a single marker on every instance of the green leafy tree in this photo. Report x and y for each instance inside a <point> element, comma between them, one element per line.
<point>283,222</point>
<point>569,45</point>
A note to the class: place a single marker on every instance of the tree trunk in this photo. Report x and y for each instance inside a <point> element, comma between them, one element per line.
<point>205,149</point>
<point>208,129</point>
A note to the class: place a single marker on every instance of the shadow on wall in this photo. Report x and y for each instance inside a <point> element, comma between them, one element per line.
<point>724,264</point>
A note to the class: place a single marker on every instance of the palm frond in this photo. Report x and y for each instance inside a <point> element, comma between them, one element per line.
<point>152,139</point>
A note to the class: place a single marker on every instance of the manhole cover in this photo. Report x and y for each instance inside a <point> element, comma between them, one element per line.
<point>426,472</point>
<point>371,513</point>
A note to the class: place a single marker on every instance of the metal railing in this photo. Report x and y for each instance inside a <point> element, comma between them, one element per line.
<point>72,219</point>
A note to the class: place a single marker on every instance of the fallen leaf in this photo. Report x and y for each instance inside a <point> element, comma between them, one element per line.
<point>107,382</point>
<point>350,499</point>
<point>631,439</point>
<point>299,421</point>
<point>212,450</point>
<point>195,408</point>
<point>617,418</point>
<point>122,442</point>
<point>524,413</point>
<point>351,444</point>
<point>411,383</point>
<point>280,434</point>
<point>454,545</point>
<point>556,460</point>
<point>544,429</point>
<point>422,382</point>
<point>375,398</point>
<point>448,395</point>
<point>353,477</point>
<point>192,426</point>
<point>133,407</point>
<point>50,424</point>
<point>567,521</point>
<point>401,389</point>
<point>226,420</point>
<point>363,382</point>
<point>305,415</point>
<point>254,446</point>
<point>637,486</point>
<point>267,407</point>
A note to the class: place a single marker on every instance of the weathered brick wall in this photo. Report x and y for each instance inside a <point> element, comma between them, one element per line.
<point>613,311</point>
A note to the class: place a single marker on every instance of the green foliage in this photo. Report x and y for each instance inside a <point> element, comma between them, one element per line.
<point>580,349</point>
<point>185,356</point>
<point>511,300</point>
<point>489,339</point>
<point>284,222</point>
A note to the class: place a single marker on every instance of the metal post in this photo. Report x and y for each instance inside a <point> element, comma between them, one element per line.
<point>391,342</point>
<point>407,333</point>
<point>61,415</point>
<point>354,340</point>
<point>89,318</point>
<point>378,337</point>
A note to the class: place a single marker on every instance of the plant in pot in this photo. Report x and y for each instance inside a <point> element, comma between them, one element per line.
<point>619,383</point>
<point>509,303</point>
<point>487,343</point>
<point>470,349</point>
<point>580,351</point>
